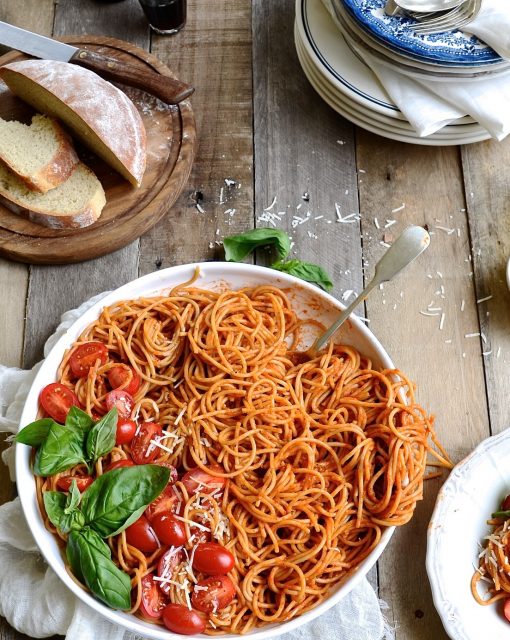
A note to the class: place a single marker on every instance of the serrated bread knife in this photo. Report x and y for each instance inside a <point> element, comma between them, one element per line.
<point>163,87</point>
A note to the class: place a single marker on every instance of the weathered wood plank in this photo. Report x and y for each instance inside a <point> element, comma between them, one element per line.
<point>304,154</point>
<point>213,53</point>
<point>56,289</point>
<point>487,188</point>
<point>447,367</point>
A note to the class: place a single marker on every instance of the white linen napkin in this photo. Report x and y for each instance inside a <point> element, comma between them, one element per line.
<point>38,604</point>
<point>429,103</point>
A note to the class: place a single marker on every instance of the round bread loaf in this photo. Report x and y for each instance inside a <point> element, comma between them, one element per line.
<point>101,115</point>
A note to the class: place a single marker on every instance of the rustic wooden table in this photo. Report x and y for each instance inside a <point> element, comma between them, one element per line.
<point>262,125</point>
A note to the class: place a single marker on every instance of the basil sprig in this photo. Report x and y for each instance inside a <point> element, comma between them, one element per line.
<point>239,246</point>
<point>111,503</point>
<point>62,446</point>
<point>305,271</point>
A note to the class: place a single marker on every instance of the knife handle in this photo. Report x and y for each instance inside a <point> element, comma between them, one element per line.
<point>163,87</point>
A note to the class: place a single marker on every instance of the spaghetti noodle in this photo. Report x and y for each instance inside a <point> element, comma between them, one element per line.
<point>318,456</point>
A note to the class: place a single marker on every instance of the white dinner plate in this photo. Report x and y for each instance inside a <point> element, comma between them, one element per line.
<point>457,130</point>
<point>363,119</point>
<point>474,489</point>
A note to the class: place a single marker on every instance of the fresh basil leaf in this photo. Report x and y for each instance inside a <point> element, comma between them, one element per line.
<point>110,503</point>
<point>35,433</point>
<point>501,514</point>
<point>79,420</point>
<point>92,565</point>
<point>101,438</point>
<point>73,498</point>
<point>61,450</point>
<point>54,503</point>
<point>238,247</point>
<point>62,517</point>
<point>72,521</point>
<point>305,271</point>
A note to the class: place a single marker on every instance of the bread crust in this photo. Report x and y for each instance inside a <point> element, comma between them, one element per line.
<point>89,105</point>
<point>86,216</point>
<point>54,172</point>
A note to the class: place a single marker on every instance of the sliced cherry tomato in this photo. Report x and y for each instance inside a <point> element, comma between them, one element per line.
<point>141,535</point>
<point>505,505</point>
<point>85,356</point>
<point>126,430</point>
<point>506,609</point>
<point>122,401</point>
<point>170,530</point>
<point>82,482</point>
<point>213,594</point>
<point>56,400</point>
<point>143,450</point>
<point>118,464</point>
<point>212,558</point>
<point>180,619</point>
<point>168,563</point>
<point>153,601</point>
<point>122,375</point>
<point>166,502</point>
<point>196,480</point>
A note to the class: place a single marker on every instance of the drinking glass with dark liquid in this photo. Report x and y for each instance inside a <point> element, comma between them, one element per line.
<point>165,16</point>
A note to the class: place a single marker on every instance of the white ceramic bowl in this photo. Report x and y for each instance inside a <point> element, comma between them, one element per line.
<point>306,299</point>
<point>473,490</point>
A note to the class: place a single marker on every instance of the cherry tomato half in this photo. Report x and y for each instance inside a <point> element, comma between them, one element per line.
<point>118,464</point>
<point>506,609</point>
<point>82,482</point>
<point>126,430</point>
<point>196,480</point>
<point>85,356</point>
<point>141,535</point>
<point>143,450</point>
<point>212,558</point>
<point>213,594</point>
<point>122,375</point>
<point>122,401</point>
<point>505,505</point>
<point>170,530</point>
<point>153,601</point>
<point>168,563</point>
<point>166,502</point>
<point>56,400</point>
<point>180,619</point>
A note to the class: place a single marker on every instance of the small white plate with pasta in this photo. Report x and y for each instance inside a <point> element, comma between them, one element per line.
<point>457,535</point>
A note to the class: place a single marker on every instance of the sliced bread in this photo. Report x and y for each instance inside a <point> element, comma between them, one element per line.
<point>75,203</point>
<point>101,115</point>
<point>41,153</point>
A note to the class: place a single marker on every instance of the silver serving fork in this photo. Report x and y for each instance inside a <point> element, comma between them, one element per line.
<point>450,21</point>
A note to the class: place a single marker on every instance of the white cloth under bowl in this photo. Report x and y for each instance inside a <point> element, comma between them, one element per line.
<point>429,103</point>
<point>35,601</point>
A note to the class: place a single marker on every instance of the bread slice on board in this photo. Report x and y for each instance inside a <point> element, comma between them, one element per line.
<point>75,203</point>
<point>101,115</point>
<point>41,154</point>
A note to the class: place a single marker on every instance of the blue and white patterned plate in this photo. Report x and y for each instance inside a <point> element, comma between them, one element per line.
<point>449,48</point>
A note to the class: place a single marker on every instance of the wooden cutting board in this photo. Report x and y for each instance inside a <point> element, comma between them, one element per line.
<point>129,212</point>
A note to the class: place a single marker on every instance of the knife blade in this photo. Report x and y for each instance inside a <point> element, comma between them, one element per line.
<point>163,87</point>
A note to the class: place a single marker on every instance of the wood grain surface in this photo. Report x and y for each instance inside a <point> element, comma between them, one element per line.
<point>267,144</point>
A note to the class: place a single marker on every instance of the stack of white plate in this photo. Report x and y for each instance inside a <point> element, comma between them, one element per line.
<point>351,89</point>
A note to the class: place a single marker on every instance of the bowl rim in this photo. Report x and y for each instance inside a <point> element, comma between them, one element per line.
<point>152,282</point>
